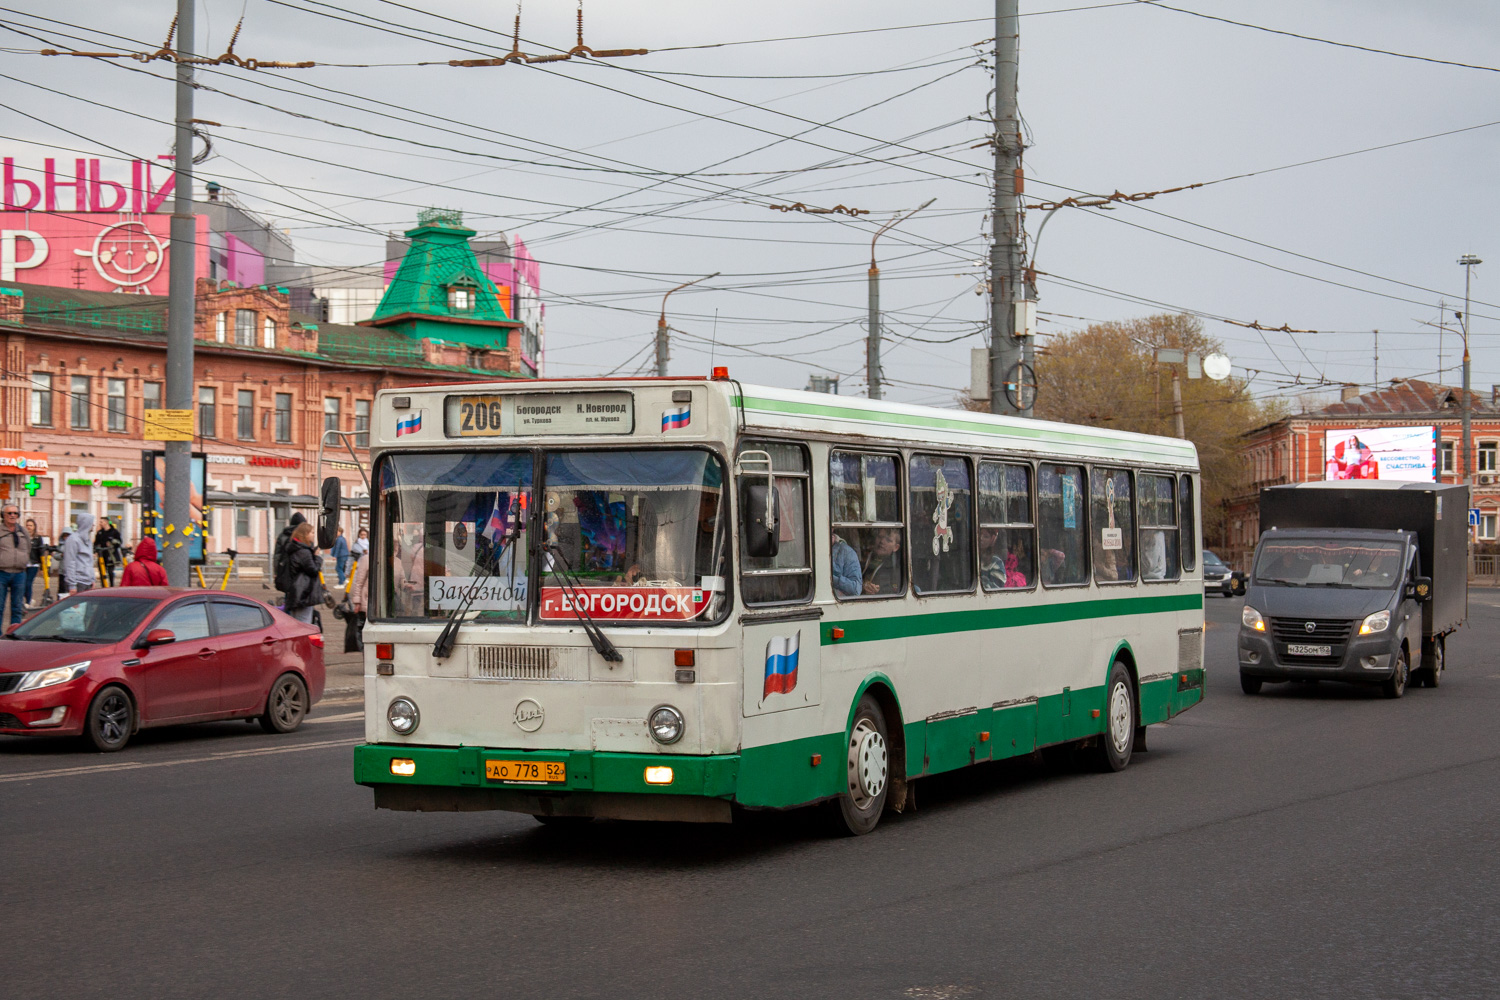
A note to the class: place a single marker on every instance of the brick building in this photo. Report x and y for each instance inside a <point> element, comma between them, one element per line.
<point>82,367</point>
<point>1293,449</point>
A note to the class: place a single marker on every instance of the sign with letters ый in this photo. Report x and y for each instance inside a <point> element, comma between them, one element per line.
<point>167,425</point>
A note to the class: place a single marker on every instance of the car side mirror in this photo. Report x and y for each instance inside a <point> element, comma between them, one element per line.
<point>328,517</point>
<point>1420,588</point>
<point>156,637</point>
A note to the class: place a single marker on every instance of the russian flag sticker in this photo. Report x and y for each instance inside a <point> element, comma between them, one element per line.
<point>676,418</point>
<point>409,425</point>
<point>781,664</point>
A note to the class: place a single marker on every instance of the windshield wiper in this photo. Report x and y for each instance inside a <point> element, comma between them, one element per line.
<point>601,642</point>
<point>443,647</point>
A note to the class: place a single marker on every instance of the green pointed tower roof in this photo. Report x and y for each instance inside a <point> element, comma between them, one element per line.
<point>440,291</point>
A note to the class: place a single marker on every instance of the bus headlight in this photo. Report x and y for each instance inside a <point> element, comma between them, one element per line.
<point>1252,619</point>
<point>403,716</point>
<point>665,723</point>
<point>1378,622</point>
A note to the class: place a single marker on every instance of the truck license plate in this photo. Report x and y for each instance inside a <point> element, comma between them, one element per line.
<point>541,772</point>
<point>1298,649</point>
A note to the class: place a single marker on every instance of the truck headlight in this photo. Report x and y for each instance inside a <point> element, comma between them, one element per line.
<point>52,675</point>
<point>1378,622</point>
<point>403,716</point>
<point>665,723</point>
<point>1252,619</point>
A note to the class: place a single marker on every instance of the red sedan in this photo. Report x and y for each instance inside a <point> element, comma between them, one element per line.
<point>105,663</point>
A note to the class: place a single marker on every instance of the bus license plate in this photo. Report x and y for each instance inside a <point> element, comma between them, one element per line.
<point>1298,649</point>
<point>531,772</point>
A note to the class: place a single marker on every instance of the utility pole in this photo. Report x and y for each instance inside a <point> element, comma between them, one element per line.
<point>872,339</point>
<point>1007,261</point>
<point>1469,261</point>
<point>178,474</point>
<point>661,325</point>
<point>1377,359</point>
<point>1177,402</point>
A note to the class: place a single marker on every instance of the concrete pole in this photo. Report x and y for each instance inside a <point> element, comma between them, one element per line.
<point>1006,259</point>
<point>1468,260</point>
<point>872,339</point>
<point>177,485</point>
<point>661,325</point>
<point>1177,402</point>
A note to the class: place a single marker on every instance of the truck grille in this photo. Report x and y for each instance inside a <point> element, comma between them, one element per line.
<point>520,663</point>
<point>1329,630</point>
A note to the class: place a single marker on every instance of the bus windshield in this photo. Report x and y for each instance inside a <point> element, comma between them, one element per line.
<point>641,534</point>
<point>1307,562</point>
<point>635,535</point>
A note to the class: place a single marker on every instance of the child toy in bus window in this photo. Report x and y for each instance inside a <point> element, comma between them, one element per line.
<point>847,580</point>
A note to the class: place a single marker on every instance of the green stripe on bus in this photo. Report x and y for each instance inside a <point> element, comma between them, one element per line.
<point>903,626</point>
<point>1035,433</point>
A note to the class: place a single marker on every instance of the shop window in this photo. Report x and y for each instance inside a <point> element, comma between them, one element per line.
<point>942,524</point>
<point>786,577</point>
<point>869,535</point>
<point>41,399</point>
<point>1007,537</point>
<point>79,415</point>
<point>1063,545</point>
<point>1159,534</point>
<point>1112,512</point>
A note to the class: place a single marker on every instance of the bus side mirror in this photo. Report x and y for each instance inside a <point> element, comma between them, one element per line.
<point>328,517</point>
<point>761,509</point>
<point>1420,588</point>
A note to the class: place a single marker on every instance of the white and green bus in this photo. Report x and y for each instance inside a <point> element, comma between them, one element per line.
<point>672,598</point>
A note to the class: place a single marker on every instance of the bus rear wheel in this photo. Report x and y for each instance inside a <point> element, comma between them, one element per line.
<point>1118,741</point>
<point>868,767</point>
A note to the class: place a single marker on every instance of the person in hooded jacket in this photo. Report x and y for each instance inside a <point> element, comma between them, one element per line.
<point>145,571</point>
<point>304,587</point>
<point>279,577</point>
<point>78,556</point>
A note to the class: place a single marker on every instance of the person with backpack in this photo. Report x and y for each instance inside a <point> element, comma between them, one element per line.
<point>145,571</point>
<point>304,590</point>
<point>279,578</point>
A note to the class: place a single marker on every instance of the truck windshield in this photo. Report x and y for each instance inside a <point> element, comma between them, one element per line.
<point>450,524</point>
<point>642,533</point>
<point>1306,562</point>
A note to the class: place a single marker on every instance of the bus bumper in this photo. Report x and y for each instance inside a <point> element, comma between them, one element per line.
<point>599,784</point>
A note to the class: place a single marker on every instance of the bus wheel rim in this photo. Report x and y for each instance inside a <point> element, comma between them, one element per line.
<point>1119,718</point>
<point>869,766</point>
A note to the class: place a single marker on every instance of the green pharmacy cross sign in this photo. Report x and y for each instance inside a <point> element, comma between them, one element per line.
<point>31,485</point>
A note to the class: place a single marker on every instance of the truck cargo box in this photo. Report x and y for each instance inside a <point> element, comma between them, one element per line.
<point>1438,513</point>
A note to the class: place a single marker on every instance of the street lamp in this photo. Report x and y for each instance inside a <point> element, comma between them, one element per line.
<point>661,325</point>
<point>1469,261</point>
<point>872,342</point>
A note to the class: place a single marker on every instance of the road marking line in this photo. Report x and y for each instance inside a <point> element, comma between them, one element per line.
<point>64,772</point>
<point>345,717</point>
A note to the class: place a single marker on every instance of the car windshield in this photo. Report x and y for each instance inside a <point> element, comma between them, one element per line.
<point>639,534</point>
<point>89,617</point>
<point>1213,562</point>
<point>453,529</point>
<point>1306,562</point>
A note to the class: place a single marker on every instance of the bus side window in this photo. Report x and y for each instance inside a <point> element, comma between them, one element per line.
<point>1007,537</point>
<point>1113,532</point>
<point>868,533</point>
<point>1159,534</point>
<point>787,577</point>
<point>942,518</point>
<point>1061,519</point>
<point>1188,523</point>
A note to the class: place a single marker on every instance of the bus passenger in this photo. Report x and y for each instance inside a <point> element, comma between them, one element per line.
<point>883,570</point>
<point>1153,555</point>
<point>846,575</point>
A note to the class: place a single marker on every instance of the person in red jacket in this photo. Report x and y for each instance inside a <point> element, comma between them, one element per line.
<point>145,571</point>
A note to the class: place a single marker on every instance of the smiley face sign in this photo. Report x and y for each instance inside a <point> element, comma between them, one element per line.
<point>126,255</point>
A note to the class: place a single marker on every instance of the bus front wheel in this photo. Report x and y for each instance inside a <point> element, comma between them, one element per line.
<point>868,766</point>
<point>1118,741</point>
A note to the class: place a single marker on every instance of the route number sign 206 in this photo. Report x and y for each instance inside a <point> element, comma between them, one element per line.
<point>478,416</point>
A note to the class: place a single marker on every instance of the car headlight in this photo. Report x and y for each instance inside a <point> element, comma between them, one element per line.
<point>53,675</point>
<point>1252,619</point>
<point>666,724</point>
<point>1378,622</point>
<point>403,716</point>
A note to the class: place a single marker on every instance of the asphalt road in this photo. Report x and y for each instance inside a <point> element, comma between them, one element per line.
<point>1314,841</point>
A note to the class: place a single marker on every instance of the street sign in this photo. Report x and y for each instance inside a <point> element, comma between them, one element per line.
<point>1473,517</point>
<point>168,425</point>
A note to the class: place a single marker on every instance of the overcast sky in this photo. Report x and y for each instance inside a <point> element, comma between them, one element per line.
<point>628,176</point>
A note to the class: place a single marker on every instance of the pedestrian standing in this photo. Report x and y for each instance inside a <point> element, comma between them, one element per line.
<point>361,543</point>
<point>304,587</point>
<point>358,600</point>
<point>144,571</point>
<point>15,552</point>
<point>107,547</point>
<point>279,576</point>
<point>78,557</point>
<point>340,555</point>
<point>34,559</point>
